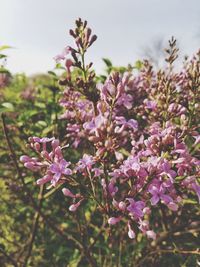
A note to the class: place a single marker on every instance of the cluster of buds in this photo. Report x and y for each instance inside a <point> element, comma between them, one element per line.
<point>83,38</point>
<point>51,163</point>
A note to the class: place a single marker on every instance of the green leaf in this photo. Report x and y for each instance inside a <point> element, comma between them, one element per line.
<point>107,62</point>
<point>2,70</point>
<point>52,73</point>
<point>138,64</point>
<point>190,201</point>
<point>6,107</point>
<point>2,56</point>
<point>41,123</point>
<point>3,47</point>
<point>40,105</point>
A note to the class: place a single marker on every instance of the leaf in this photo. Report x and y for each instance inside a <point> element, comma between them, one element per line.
<point>75,259</point>
<point>52,73</point>
<point>2,56</point>
<point>3,47</point>
<point>41,123</point>
<point>190,201</point>
<point>2,70</point>
<point>6,107</point>
<point>48,129</point>
<point>138,64</point>
<point>40,105</point>
<point>107,62</point>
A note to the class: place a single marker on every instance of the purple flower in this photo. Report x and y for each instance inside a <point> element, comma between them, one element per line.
<point>132,124</point>
<point>136,208</point>
<point>150,104</point>
<point>112,189</point>
<point>97,172</point>
<point>196,188</point>
<point>168,171</point>
<point>42,140</point>
<point>62,56</point>
<point>85,163</point>
<point>126,100</point>
<point>59,169</point>
<point>158,193</point>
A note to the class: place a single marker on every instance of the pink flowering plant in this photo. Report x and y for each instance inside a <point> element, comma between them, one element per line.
<point>127,162</point>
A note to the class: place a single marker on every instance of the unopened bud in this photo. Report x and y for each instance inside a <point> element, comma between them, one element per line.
<point>72,33</point>
<point>74,207</point>
<point>24,158</point>
<point>93,39</point>
<point>55,143</point>
<point>37,146</point>
<point>114,220</point>
<point>68,193</point>
<point>122,205</point>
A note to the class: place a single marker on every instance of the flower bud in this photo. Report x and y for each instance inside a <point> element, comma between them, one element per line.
<point>122,205</point>
<point>55,143</point>
<point>114,220</point>
<point>58,152</point>
<point>93,39</point>
<point>31,166</point>
<point>25,158</point>
<point>131,233</point>
<point>45,155</point>
<point>68,193</point>
<point>44,180</point>
<point>74,207</point>
<point>172,206</point>
<point>151,234</point>
<point>37,146</point>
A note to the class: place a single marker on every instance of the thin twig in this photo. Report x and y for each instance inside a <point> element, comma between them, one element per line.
<point>9,257</point>
<point>174,251</point>
<point>12,152</point>
<point>35,226</point>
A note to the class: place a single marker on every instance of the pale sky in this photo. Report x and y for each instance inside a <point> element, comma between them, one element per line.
<point>38,29</point>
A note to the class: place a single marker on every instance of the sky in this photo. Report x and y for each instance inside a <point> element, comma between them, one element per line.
<point>38,29</point>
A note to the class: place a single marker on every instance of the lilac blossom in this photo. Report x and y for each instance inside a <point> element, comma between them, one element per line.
<point>86,162</point>
<point>59,169</point>
<point>136,128</point>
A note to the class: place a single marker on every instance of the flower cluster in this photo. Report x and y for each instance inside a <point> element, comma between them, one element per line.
<point>51,162</point>
<point>140,131</point>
